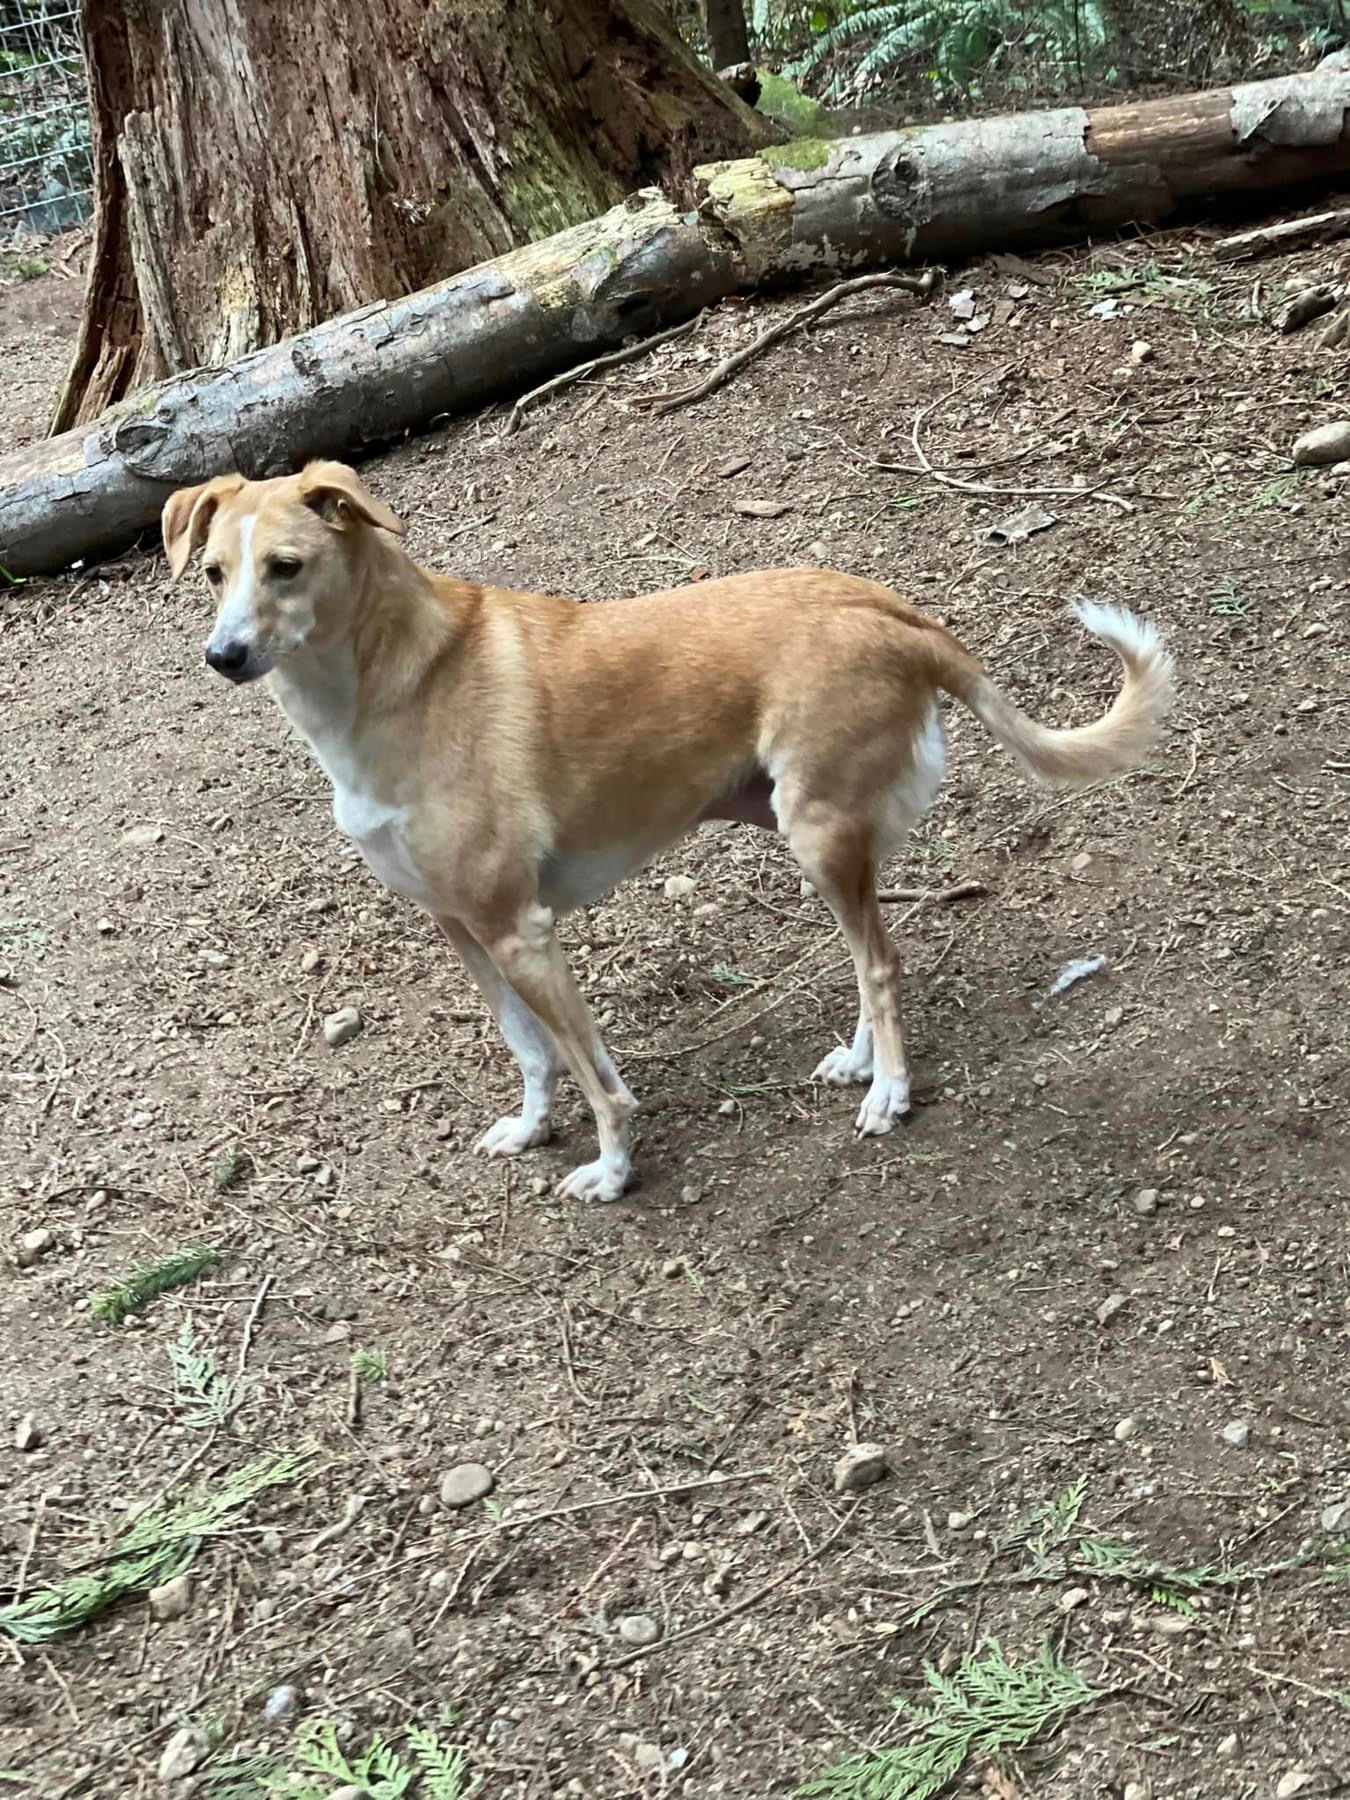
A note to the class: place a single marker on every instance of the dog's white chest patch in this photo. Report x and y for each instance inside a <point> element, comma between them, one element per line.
<point>379,833</point>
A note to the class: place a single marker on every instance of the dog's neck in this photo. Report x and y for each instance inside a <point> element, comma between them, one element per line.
<point>400,627</point>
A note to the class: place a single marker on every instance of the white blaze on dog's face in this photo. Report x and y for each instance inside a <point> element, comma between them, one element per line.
<point>278,555</point>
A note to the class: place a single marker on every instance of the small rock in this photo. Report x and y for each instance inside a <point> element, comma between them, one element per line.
<point>171,1600</point>
<point>962,304</point>
<point>1170,1625</point>
<point>1072,1598</point>
<point>184,1753</point>
<point>1113,1017</point>
<point>340,1333</point>
<point>281,1703</point>
<point>1145,1202</point>
<point>34,1245</point>
<point>465,1483</point>
<point>309,961</point>
<point>1337,1517</point>
<point>679,887</point>
<point>342,1026</point>
<point>272,1542</point>
<point>672,1267</point>
<point>1227,1746</point>
<point>1082,861</point>
<point>647,1757</point>
<point>1125,1429</point>
<point>732,466</point>
<point>27,1436</point>
<point>1237,1433</point>
<point>958,1521</point>
<point>639,1629</point>
<point>1292,1782</point>
<point>1113,1305</point>
<point>427,1505</point>
<point>728,1109</point>
<point>140,837</point>
<point>1327,444</point>
<point>1134,1790</point>
<point>859,1467</point>
<point>1141,351</point>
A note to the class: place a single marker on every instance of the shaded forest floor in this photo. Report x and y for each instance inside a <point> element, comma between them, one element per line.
<point>1093,1301</point>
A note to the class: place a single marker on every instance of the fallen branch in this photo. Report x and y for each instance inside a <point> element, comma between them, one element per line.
<point>922,285</point>
<point>1098,492</point>
<point>964,890</point>
<point>629,353</point>
<point>1290,234</point>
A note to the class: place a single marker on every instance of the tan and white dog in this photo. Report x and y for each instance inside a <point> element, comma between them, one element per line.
<point>501,757</point>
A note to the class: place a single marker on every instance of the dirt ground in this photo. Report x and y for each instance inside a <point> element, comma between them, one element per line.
<point>1101,1278</point>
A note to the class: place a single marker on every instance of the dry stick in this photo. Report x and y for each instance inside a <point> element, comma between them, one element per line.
<point>629,353</point>
<point>922,285</point>
<point>251,1324</point>
<point>987,487</point>
<point>964,890</point>
<point>740,1606</point>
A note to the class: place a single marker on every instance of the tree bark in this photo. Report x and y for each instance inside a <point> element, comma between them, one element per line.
<point>728,35</point>
<point>785,213</point>
<point>261,167</point>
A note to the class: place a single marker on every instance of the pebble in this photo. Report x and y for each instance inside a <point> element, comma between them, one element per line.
<point>465,1483</point>
<point>728,1109</point>
<point>1125,1429</point>
<point>1292,1782</point>
<point>172,1599</point>
<point>859,1467</point>
<point>1237,1433</point>
<point>272,1542</point>
<point>1227,1746</point>
<point>184,1753</point>
<point>26,1434</point>
<point>281,1703</point>
<point>679,887</point>
<point>1337,1517</point>
<point>639,1629</point>
<point>672,1267</point>
<point>342,1026</point>
<point>1113,1304</point>
<point>1134,1790</point>
<point>34,1245</point>
<point>427,1505</point>
<point>1145,1202</point>
<point>309,961</point>
<point>1141,351</point>
<point>1072,1598</point>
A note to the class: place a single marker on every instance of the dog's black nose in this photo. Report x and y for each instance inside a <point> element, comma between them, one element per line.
<point>227,659</point>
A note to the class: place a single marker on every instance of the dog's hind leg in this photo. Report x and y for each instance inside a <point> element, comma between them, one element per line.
<point>837,856</point>
<point>528,1040</point>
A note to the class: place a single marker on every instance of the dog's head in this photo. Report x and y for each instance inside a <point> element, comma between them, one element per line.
<point>281,558</point>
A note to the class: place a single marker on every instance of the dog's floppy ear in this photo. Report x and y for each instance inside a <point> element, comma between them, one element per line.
<point>337,494</point>
<point>187,518</point>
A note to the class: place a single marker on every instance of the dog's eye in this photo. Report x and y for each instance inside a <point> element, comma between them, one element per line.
<point>285,568</point>
<point>213,574</point>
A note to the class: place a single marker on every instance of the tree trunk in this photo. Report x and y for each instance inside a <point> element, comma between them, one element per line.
<point>261,167</point>
<point>806,207</point>
<point>728,37</point>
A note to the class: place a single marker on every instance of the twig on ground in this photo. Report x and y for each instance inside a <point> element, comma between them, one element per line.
<point>964,890</point>
<point>740,1606</point>
<point>250,1326</point>
<point>1290,234</point>
<point>922,285</point>
<point>629,353</point>
<point>1097,492</point>
<point>632,1494</point>
<point>21,1578</point>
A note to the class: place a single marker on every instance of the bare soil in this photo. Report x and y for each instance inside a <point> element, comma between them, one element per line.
<point>1115,1227</point>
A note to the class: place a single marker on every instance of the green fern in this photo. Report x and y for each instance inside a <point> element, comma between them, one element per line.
<point>157,1545</point>
<point>380,1772</point>
<point>116,1304</point>
<point>205,1397</point>
<point>986,1709</point>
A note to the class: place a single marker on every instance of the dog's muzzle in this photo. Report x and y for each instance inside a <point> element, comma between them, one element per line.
<point>236,661</point>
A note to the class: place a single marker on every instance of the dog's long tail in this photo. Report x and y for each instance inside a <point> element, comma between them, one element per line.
<point>1118,741</point>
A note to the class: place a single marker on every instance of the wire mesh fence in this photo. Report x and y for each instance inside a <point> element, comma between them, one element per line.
<point>46,169</point>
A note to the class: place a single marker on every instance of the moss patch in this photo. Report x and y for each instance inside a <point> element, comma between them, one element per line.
<point>802,153</point>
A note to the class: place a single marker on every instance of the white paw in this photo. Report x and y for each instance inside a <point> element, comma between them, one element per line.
<point>603,1179</point>
<point>512,1135</point>
<point>843,1067</point>
<point>887,1101</point>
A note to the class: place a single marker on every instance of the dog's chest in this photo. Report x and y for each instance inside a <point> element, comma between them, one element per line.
<point>379,830</point>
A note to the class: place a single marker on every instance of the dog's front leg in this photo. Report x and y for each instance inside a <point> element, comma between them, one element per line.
<point>528,1041</point>
<point>530,959</point>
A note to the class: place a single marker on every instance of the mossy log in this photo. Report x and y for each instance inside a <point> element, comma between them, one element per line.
<point>784,214</point>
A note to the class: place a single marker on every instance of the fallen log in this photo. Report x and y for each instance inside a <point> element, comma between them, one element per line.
<point>793,210</point>
<point>1289,234</point>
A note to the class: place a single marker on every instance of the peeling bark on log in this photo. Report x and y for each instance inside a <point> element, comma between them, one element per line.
<point>785,213</point>
<point>262,167</point>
